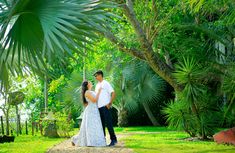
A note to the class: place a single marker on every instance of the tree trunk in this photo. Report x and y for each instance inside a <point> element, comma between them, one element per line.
<point>2,126</point>
<point>45,93</point>
<point>7,124</point>
<point>153,58</point>
<point>17,121</point>
<point>122,117</point>
<point>26,127</point>
<point>6,113</point>
<point>150,114</point>
<point>20,130</point>
<point>36,126</point>
<point>32,124</point>
<point>32,128</point>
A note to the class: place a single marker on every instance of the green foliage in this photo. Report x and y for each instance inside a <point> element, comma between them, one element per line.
<point>54,91</point>
<point>229,89</point>
<point>142,86</point>
<point>179,117</point>
<point>196,107</point>
<point>62,31</point>
<point>62,122</point>
<point>71,92</point>
<point>16,98</point>
<point>214,8</point>
<point>65,125</point>
<point>59,29</point>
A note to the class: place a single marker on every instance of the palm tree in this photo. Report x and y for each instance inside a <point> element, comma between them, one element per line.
<point>144,88</point>
<point>196,108</point>
<point>71,99</point>
<point>43,31</point>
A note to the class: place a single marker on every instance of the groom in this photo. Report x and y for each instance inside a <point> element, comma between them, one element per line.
<point>105,101</point>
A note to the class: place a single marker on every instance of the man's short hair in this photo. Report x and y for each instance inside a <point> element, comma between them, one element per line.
<point>99,72</point>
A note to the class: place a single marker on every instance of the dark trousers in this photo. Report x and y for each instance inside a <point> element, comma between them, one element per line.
<point>106,119</point>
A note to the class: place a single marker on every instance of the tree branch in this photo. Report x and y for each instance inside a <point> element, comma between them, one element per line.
<point>121,45</point>
<point>154,60</point>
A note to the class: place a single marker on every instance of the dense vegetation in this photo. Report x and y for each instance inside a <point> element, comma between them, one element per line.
<point>171,62</point>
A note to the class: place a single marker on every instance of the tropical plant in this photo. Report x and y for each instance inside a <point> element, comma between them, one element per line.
<point>160,33</point>
<point>70,95</point>
<point>229,89</point>
<point>163,32</point>
<point>143,87</point>
<point>120,102</point>
<point>196,108</point>
<point>59,29</point>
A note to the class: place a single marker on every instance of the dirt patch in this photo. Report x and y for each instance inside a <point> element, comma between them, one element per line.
<point>66,147</point>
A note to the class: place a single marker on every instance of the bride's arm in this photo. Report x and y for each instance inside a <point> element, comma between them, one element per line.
<point>91,97</point>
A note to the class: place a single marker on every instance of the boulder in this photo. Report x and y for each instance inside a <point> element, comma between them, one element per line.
<point>225,137</point>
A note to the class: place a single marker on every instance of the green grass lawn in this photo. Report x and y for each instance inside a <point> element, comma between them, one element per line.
<point>169,141</point>
<point>141,140</point>
<point>29,144</point>
<point>142,129</point>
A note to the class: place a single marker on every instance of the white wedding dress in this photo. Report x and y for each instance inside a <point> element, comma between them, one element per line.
<point>91,130</point>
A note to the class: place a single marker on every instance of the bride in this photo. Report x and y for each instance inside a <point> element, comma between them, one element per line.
<point>91,131</point>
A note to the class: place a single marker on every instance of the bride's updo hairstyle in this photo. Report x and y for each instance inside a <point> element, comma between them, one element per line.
<point>84,89</point>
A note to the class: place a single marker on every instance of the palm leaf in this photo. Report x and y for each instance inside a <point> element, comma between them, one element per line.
<point>143,86</point>
<point>43,31</point>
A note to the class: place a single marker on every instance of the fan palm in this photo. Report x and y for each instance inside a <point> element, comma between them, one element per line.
<point>71,93</point>
<point>143,87</point>
<point>42,31</point>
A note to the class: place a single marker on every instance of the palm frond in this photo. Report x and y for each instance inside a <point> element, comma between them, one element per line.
<point>72,92</point>
<point>43,31</point>
<point>223,8</point>
<point>143,86</point>
<point>188,71</point>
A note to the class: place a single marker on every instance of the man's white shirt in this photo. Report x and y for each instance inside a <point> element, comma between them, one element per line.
<point>105,94</point>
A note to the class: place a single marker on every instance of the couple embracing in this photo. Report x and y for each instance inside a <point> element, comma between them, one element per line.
<point>97,114</point>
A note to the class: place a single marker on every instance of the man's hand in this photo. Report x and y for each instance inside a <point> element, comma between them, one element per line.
<point>111,101</point>
<point>109,105</point>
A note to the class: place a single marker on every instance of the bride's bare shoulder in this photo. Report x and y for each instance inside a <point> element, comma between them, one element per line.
<point>87,92</point>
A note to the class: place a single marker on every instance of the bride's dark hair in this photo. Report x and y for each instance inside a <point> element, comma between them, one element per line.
<point>84,89</point>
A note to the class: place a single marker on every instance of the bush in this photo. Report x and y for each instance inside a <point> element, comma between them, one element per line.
<point>64,124</point>
<point>196,108</point>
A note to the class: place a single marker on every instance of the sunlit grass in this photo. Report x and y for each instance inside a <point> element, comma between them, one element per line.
<point>29,144</point>
<point>167,141</point>
<point>140,139</point>
<point>142,129</point>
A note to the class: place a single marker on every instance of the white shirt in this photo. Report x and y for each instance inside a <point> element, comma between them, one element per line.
<point>105,94</point>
